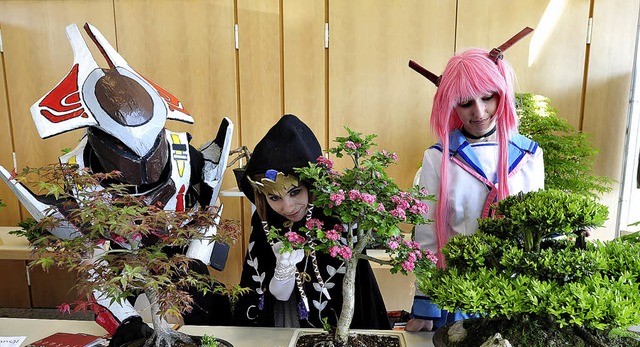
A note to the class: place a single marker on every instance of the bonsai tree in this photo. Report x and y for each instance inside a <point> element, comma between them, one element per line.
<point>530,270</point>
<point>370,205</point>
<point>119,249</point>
<point>568,154</point>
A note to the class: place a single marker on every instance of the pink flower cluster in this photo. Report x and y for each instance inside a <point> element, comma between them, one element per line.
<point>328,163</point>
<point>314,223</point>
<point>356,195</point>
<point>295,238</point>
<point>409,252</point>
<point>404,201</point>
<point>393,156</point>
<point>352,145</point>
<point>343,251</point>
<point>337,198</point>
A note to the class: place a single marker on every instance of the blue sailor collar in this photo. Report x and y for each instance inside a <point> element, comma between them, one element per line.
<point>518,146</point>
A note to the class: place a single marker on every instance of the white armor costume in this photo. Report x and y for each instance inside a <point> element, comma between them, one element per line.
<point>125,115</point>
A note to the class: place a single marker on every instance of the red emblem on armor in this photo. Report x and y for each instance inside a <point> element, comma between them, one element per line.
<point>180,199</point>
<point>172,101</point>
<point>63,102</point>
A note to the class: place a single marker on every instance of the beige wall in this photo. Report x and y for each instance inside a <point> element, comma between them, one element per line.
<point>282,66</point>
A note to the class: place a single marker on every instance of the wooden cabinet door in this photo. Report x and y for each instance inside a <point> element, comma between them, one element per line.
<point>14,288</point>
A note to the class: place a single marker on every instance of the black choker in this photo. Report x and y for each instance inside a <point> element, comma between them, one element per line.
<point>473,137</point>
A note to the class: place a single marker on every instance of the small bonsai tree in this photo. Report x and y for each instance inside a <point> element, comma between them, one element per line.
<point>568,154</point>
<point>370,205</point>
<point>119,247</point>
<point>531,270</point>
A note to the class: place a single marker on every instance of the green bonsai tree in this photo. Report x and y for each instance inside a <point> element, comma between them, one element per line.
<point>568,154</point>
<point>530,270</point>
<point>109,216</point>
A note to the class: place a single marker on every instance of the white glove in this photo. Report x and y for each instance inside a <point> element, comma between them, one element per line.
<point>283,281</point>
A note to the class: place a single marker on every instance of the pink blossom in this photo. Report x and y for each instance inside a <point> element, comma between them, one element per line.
<point>424,191</point>
<point>294,238</point>
<point>380,208</point>
<point>408,265</point>
<point>399,213</point>
<point>332,235</point>
<point>411,257</point>
<point>419,208</point>
<point>314,223</point>
<point>339,228</point>
<point>334,250</point>
<point>368,198</point>
<point>337,198</point>
<point>429,254</point>
<point>345,252</point>
<point>351,145</point>
<point>393,245</point>
<point>328,163</point>
<point>354,195</point>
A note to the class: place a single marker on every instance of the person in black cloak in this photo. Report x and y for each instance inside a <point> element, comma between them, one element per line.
<point>294,289</point>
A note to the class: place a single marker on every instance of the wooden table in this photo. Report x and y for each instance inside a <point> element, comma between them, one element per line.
<point>35,329</point>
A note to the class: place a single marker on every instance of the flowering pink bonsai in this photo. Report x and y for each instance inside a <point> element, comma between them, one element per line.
<point>370,206</point>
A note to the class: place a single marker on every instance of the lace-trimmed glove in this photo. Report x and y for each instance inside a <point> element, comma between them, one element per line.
<point>130,329</point>
<point>282,283</point>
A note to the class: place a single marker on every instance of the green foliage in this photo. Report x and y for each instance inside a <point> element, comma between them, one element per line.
<point>209,341</point>
<point>29,230</point>
<point>568,153</point>
<point>534,216</point>
<point>119,247</point>
<point>593,286</point>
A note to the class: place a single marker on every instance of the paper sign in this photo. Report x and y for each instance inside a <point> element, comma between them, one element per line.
<point>11,341</point>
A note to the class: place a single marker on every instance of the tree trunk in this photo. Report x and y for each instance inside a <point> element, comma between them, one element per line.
<point>348,293</point>
<point>163,335</point>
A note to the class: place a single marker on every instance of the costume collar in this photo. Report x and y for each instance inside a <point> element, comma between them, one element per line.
<point>458,144</point>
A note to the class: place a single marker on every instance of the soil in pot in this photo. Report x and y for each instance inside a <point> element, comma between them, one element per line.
<point>530,333</point>
<point>355,340</point>
<point>196,340</point>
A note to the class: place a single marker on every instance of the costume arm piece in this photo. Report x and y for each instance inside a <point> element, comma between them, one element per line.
<point>37,206</point>
<point>425,234</point>
<point>110,315</point>
<point>202,249</point>
<point>283,280</point>
<point>538,166</point>
<point>216,155</point>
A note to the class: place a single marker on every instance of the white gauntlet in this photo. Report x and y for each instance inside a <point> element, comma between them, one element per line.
<point>283,281</point>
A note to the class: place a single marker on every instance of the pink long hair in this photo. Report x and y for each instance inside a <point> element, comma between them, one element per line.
<point>470,74</point>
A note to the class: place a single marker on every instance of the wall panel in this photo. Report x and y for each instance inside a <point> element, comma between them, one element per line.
<point>608,92</point>
<point>550,61</point>
<point>38,55</point>
<point>304,68</point>
<point>371,88</point>
<point>10,214</point>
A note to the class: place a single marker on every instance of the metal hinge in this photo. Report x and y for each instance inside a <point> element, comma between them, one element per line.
<point>326,35</point>
<point>235,34</point>
<point>1,50</point>
<point>589,28</point>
